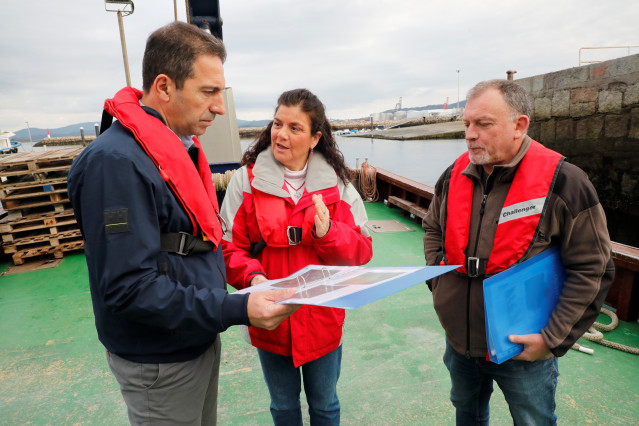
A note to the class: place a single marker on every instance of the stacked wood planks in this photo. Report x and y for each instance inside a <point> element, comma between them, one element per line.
<point>33,191</point>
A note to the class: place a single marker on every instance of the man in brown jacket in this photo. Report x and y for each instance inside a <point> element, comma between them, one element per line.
<point>505,201</point>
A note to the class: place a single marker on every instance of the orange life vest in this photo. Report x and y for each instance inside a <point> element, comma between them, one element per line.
<point>273,221</point>
<point>193,188</point>
<point>520,216</point>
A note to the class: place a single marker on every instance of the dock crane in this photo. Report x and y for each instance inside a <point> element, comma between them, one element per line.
<point>398,105</point>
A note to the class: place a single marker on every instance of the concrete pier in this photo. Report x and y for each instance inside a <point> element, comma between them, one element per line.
<point>447,130</point>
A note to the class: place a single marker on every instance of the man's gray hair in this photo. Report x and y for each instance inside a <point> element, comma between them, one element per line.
<point>515,96</point>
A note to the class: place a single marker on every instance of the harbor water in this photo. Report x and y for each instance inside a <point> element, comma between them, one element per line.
<point>420,160</point>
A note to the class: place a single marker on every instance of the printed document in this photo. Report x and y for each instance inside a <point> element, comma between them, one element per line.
<point>349,287</point>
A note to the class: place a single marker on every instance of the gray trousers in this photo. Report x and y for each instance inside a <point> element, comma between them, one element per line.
<point>182,393</point>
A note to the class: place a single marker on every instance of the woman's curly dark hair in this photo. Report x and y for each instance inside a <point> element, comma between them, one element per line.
<point>314,109</point>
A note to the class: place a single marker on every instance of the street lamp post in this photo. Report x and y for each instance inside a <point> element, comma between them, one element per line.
<point>457,91</point>
<point>126,7</point>
<point>29,130</point>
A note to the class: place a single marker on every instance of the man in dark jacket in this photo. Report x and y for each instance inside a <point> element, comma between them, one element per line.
<point>505,201</point>
<point>143,196</point>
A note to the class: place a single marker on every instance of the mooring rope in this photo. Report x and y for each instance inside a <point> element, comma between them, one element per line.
<point>368,182</point>
<point>596,336</point>
<point>222,180</point>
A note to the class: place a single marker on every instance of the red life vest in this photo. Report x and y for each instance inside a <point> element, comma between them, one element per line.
<point>520,216</point>
<point>272,218</point>
<point>193,188</point>
<point>312,331</point>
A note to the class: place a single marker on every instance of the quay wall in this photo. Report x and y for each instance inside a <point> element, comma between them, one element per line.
<point>591,115</point>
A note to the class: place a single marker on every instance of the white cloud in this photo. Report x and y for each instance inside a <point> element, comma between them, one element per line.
<point>61,59</point>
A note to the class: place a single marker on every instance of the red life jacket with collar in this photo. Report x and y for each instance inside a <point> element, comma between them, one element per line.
<point>312,331</point>
<point>273,220</point>
<point>193,188</point>
<point>520,216</point>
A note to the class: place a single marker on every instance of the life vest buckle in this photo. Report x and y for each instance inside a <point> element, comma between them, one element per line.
<point>294,235</point>
<point>182,244</point>
<point>472,266</point>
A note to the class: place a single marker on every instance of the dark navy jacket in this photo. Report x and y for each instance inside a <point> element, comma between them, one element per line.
<point>149,305</point>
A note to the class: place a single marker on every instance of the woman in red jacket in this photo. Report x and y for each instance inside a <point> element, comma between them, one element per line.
<point>290,206</point>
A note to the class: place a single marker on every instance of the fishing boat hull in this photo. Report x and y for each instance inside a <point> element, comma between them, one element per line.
<point>12,149</point>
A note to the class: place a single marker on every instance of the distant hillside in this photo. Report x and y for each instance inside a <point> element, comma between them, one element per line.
<point>72,130</point>
<point>462,104</point>
<point>89,130</point>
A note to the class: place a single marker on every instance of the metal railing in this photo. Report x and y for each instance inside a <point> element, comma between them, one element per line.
<point>582,62</point>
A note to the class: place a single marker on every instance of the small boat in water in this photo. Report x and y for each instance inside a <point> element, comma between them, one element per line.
<point>7,146</point>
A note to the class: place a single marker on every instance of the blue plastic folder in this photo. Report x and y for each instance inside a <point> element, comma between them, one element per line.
<point>520,300</point>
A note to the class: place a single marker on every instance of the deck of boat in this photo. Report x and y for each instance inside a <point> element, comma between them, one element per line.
<point>53,368</point>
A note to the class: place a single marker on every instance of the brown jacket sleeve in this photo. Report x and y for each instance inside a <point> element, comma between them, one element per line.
<point>577,223</point>
<point>432,222</point>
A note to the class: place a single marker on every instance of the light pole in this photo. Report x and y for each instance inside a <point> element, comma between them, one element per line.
<point>126,7</point>
<point>457,91</point>
<point>29,129</point>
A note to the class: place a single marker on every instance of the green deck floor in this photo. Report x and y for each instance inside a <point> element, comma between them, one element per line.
<point>53,368</point>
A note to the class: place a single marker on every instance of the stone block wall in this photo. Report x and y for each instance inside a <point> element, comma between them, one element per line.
<point>591,115</point>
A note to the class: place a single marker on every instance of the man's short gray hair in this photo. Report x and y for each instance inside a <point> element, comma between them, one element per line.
<point>515,96</point>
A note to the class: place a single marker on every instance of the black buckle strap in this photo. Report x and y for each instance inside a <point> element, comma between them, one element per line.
<point>476,267</point>
<point>294,234</point>
<point>107,120</point>
<point>184,244</point>
<point>256,248</point>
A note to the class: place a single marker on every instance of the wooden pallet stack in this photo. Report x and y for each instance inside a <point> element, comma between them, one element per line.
<point>33,191</point>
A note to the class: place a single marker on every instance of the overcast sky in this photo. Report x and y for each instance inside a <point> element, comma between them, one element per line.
<point>59,59</point>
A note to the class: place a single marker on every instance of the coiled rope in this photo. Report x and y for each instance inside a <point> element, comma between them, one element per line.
<point>596,336</point>
<point>368,182</point>
<point>222,180</point>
